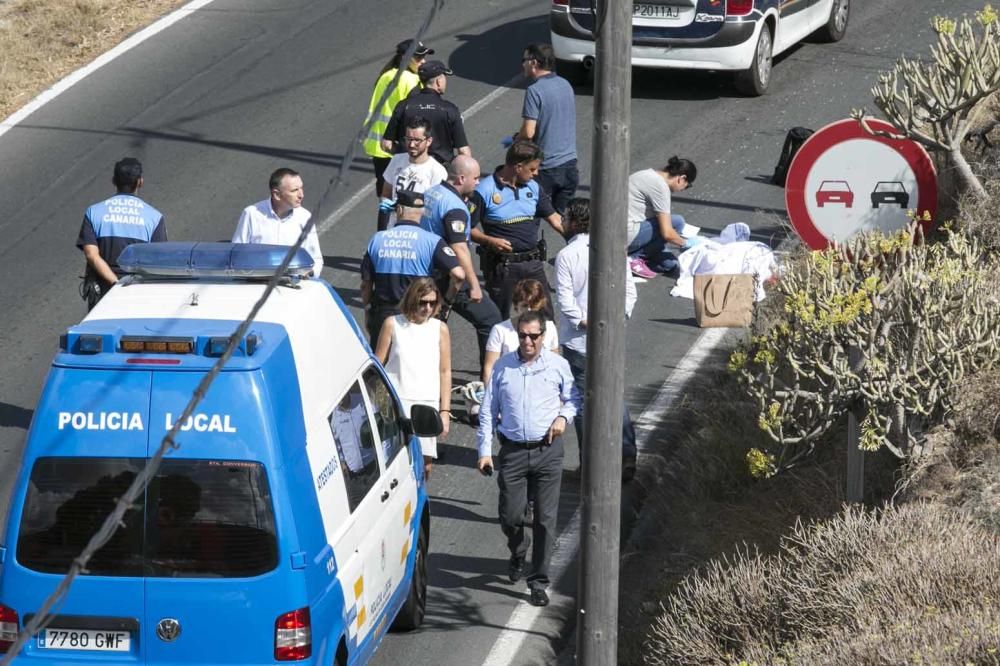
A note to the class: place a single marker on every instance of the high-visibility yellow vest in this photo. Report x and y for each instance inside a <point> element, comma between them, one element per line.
<point>407,82</point>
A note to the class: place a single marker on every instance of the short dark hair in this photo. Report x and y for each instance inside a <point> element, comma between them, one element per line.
<point>529,316</point>
<point>418,122</point>
<point>542,54</point>
<point>677,166</point>
<point>578,215</point>
<point>274,182</point>
<point>523,151</point>
<point>128,171</point>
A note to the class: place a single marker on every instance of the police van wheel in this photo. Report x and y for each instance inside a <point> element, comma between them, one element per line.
<point>411,615</point>
<point>836,25</point>
<point>753,82</point>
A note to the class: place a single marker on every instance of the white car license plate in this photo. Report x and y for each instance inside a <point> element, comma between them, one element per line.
<point>665,12</point>
<point>85,639</point>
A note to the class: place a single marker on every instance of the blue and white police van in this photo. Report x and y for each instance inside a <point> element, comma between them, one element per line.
<point>291,524</point>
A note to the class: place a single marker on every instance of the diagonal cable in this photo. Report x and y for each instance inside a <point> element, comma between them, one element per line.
<point>43,616</point>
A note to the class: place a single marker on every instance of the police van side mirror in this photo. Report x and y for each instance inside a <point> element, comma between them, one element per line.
<point>425,421</point>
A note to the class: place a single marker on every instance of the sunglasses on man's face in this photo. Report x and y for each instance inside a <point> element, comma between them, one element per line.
<point>533,336</point>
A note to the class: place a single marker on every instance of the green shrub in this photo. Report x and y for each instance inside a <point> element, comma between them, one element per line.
<point>918,316</point>
<point>917,584</point>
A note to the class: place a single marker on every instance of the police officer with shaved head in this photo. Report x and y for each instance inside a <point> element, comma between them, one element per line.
<point>112,225</point>
<point>446,214</point>
<point>398,255</point>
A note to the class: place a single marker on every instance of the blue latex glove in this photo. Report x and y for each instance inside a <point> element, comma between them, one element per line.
<point>507,141</point>
<point>693,241</point>
<point>386,205</point>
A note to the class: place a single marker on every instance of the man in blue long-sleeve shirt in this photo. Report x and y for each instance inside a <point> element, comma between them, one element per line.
<point>530,399</point>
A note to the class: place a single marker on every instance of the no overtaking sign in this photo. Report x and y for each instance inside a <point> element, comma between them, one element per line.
<point>844,180</point>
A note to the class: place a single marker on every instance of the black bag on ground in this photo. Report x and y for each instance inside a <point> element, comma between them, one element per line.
<point>793,141</point>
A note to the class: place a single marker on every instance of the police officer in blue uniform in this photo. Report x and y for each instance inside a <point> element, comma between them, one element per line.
<point>398,255</point>
<point>446,214</point>
<point>112,225</point>
<point>506,209</point>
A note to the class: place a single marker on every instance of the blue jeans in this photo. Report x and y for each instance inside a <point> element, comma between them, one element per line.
<point>578,366</point>
<point>652,247</point>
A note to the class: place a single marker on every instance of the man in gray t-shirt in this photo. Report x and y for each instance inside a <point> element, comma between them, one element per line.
<point>548,118</point>
<point>650,223</point>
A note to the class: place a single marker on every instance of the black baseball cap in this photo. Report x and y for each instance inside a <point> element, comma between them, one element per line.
<point>409,199</point>
<point>421,50</point>
<point>128,168</point>
<point>433,69</point>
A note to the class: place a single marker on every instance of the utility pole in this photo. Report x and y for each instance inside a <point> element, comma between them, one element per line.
<point>597,605</point>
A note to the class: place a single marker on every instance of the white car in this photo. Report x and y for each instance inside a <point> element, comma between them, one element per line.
<point>741,36</point>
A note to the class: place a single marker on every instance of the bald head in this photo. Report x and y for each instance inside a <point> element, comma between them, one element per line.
<point>463,174</point>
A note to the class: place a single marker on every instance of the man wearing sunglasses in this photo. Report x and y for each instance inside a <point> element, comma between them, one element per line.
<point>530,399</point>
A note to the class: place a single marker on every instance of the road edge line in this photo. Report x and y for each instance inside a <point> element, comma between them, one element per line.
<point>508,643</point>
<point>74,77</point>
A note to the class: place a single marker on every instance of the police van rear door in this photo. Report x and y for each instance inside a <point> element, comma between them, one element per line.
<point>86,445</point>
<point>217,577</point>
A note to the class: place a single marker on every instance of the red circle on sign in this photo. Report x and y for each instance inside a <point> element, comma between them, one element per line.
<point>845,130</point>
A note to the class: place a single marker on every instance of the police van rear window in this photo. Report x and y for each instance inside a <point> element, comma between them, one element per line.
<point>198,518</point>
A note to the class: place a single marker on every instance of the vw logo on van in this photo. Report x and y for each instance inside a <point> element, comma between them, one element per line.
<point>168,629</point>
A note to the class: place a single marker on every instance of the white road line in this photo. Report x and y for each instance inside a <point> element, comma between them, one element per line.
<point>518,627</point>
<point>336,216</point>
<point>75,77</point>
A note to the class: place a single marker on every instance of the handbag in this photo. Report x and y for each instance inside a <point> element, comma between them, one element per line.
<point>723,301</point>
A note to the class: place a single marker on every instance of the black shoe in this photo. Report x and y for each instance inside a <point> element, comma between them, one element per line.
<point>515,570</point>
<point>538,597</point>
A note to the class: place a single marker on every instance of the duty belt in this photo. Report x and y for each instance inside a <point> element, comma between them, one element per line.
<point>515,257</point>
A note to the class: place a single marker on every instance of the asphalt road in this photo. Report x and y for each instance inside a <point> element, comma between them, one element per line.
<point>217,101</point>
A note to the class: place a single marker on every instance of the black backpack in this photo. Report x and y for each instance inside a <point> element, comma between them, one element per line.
<point>793,141</point>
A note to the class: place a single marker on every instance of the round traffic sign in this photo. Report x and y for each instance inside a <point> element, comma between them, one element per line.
<point>844,180</point>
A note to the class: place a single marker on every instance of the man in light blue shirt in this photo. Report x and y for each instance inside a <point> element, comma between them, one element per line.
<point>530,399</point>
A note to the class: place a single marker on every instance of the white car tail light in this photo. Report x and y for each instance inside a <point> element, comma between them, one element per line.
<point>8,627</point>
<point>293,636</point>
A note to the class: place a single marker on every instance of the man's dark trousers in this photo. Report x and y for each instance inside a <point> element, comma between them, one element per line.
<point>541,468</point>
<point>501,276</point>
<point>374,319</point>
<point>560,182</point>
<point>578,366</point>
<point>483,316</point>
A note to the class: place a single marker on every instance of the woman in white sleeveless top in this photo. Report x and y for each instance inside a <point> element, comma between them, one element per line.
<point>415,349</point>
<point>528,294</point>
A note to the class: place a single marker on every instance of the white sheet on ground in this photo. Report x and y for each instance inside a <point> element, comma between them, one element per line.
<point>732,252</point>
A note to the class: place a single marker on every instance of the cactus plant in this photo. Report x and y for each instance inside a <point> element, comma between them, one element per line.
<point>930,100</point>
<point>917,316</point>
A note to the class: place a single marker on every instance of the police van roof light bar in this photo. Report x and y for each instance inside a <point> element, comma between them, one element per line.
<point>211,260</point>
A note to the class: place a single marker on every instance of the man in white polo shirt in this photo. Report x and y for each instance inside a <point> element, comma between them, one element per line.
<point>279,220</point>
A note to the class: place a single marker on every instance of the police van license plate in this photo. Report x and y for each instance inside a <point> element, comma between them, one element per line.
<point>85,639</point>
<point>667,12</point>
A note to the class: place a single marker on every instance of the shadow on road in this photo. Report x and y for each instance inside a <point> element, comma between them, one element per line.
<point>12,416</point>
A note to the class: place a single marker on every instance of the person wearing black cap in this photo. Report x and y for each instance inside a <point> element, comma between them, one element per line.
<point>396,256</point>
<point>112,225</point>
<point>379,114</point>
<point>428,102</point>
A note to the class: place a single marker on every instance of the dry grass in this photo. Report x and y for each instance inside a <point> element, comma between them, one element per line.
<point>43,40</point>
<point>917,584</point>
